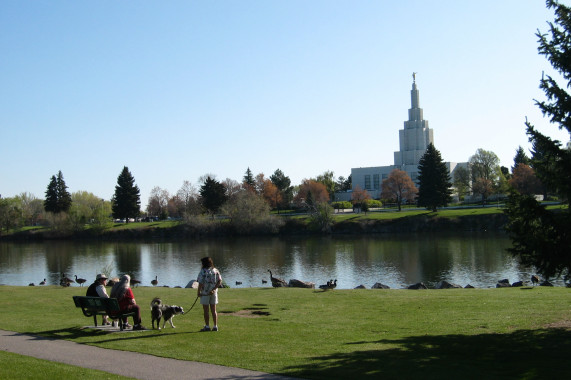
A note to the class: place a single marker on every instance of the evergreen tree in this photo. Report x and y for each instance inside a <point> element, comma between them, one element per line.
<point>283,183</point>
<point>213,194</point>
<point>542,237</point>
<point>434,180</point>
<point>64,197</point>
<point>126,202</point>
<point>249,179</point>
<point>58,199</point>
<point>520,158</point>
<point>50,203</point>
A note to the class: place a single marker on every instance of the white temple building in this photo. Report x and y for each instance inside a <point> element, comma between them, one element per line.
<point>413,141</point>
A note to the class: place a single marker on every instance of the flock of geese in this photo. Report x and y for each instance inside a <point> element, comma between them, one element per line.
<point>66,281</point>
<point>276,282</point>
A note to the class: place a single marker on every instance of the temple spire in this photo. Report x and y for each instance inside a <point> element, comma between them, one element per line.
<point>415,112</point>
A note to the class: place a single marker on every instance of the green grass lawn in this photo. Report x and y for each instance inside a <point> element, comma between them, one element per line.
<point>429,334</point>
<point>14,366</point>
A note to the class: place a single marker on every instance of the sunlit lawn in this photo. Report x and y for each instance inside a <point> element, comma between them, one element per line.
<point>429,334</point>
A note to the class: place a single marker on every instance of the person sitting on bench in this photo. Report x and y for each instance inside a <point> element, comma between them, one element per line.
<point>122,291</point>
<point>97,289</point>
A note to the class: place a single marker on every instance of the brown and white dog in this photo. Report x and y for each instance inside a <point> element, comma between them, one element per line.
<point>166,312</point>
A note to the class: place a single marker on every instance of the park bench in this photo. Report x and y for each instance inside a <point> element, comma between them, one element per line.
<point>94,306</point>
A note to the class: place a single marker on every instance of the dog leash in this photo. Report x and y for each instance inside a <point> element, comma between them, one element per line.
<point>191,306</point>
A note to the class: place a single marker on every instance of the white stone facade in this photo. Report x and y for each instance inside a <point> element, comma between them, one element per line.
<point>413,141</point>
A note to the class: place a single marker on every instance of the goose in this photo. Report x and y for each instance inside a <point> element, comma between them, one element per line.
<point>134,282</point>
<point>277,282</point>
<point>65,281</point>
<point>326,286</point>
<point>264,281</point>
<point>238,282</point>
<point>330,285</point>
<point>155,282</point>
<point>43,282</point>
<point>80,281</point>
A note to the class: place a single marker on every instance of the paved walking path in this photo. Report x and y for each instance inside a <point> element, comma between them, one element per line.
<point>125,363</point>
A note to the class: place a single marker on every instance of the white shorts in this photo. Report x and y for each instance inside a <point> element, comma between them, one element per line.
<point>209,300</point>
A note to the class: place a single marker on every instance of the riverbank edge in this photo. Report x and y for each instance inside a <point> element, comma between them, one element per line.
<point>426,223</point>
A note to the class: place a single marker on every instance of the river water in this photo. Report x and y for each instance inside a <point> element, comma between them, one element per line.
<point>479,259</point>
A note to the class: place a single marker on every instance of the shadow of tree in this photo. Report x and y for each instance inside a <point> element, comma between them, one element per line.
<point>523,354</point>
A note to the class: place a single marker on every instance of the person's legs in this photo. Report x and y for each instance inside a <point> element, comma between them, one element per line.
<point>214,315</point>
<point>206,315</point>
<point>137,316</point>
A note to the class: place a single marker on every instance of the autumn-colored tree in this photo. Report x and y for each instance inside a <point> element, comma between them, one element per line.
<point>525,181</point>
<point>359,196</point>
<point>311,193</point>
<point>328,181</point>
<point>271,194</point>
<point>259,183</point>
<point>398,187</point>
<point>484,187</point>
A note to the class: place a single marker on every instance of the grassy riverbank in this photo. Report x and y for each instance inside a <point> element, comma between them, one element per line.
<point>467,333</point>
<point>378,221</point>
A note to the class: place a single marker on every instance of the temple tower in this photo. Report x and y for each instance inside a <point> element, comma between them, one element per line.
<point>415,136</point>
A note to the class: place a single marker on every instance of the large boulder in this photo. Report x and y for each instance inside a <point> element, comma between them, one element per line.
<point>361,287</point>
<point>517,284</point>
<point>546,283</point>
<point>468,287</point>
<point>301,284</point>
<point>378,285</point>
<point>418,285</point>
<point>503,285</point>
<point>446,285</point>
<point>192,284</point>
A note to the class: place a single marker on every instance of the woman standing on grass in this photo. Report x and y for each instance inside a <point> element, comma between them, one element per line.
<point>209,280</point>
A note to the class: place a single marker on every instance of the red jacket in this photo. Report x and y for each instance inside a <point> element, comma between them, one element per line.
<point>128,299</point>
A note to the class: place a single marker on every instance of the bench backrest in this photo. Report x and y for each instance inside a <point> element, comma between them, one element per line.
<point>96,303</point>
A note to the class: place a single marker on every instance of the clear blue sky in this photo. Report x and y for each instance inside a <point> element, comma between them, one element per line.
<point>177,89</point>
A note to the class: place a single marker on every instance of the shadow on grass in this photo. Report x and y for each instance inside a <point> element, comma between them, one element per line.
<point>74,333</point>
<point>523,354</point>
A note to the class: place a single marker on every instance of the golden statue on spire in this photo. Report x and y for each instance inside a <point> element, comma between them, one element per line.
<point>414,77</point>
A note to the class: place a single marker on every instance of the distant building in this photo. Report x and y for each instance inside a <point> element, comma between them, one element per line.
<point>413,139</point>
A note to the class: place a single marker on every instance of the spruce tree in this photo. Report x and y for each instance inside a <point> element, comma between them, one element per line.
<point>51,203</point>
<point>434,180</point>
<point>213,194</point>
<point>249,178</point>
<point>520,158</point>
<point>126,202</point>
<point>542,237</point>
<point>64,197</point>
<point>58,199</point>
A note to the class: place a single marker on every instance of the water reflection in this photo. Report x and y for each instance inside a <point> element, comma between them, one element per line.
<point>399,260</point>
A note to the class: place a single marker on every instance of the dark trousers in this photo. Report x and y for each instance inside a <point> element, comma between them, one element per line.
<point>137,316</point>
